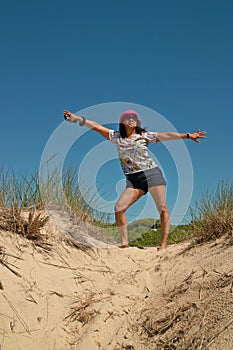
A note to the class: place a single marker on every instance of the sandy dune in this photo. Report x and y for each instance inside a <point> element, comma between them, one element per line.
<point>111,298</point>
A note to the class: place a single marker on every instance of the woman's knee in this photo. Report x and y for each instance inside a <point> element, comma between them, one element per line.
<point>164,210</point>
<point>119,208</point>
<point>128,197</point>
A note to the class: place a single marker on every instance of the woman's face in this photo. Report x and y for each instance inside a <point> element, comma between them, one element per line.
<point>130,120</point>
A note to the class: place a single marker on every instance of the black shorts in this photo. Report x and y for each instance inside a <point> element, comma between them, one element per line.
<point>143,180</point>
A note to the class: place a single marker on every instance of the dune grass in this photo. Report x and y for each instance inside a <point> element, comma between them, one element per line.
<point>212,216</point>
<point>28,191</point>
<point>25,198</point>
<point>19,191</point>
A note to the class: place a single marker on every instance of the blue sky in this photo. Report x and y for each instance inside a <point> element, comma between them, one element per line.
<point>175,57</point>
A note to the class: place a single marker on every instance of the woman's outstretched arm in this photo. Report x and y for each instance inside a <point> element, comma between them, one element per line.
<point>73,118</point>
<point>167,136</point>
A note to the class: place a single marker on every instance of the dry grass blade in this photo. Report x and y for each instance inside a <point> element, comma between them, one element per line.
<point>162,324</point>
<point>14,219</point>
<point>21,320</point>
<point>81,310</point>
<point>189,326</point>
<point>182,287</point>
<point>72,243</point>
<point>4,262</point>
<point>219,332</point>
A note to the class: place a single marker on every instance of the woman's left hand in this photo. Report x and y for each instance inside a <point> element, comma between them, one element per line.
<point>197,135</point>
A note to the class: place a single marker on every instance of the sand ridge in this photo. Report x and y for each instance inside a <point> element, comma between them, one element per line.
<point>111,298</point>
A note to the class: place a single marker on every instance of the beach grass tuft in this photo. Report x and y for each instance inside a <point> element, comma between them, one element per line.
<point>212,216</point>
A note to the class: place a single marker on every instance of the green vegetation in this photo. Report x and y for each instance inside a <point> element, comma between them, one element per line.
<point>19,191</point>
<point>24,198</point>
<point>212,216</point>
<point>28,191</point>
<point>141,233</point>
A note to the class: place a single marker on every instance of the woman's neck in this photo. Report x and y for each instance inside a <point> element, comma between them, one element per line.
<point>130,132</point>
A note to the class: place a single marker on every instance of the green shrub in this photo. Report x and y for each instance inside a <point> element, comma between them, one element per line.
<point>153,238</point>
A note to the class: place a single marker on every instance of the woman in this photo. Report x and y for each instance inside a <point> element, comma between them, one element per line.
<point>142,173</point>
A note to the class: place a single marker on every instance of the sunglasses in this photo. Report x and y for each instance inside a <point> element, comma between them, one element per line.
<point>133,117</point>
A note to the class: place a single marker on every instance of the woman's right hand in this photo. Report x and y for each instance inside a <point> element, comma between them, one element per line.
<point>70,117</point>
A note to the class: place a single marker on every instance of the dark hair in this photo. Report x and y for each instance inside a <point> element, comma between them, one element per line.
<point>122,130</point>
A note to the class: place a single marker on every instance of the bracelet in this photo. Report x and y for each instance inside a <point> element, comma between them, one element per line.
<point>188,136</point>
<point>82,123</point>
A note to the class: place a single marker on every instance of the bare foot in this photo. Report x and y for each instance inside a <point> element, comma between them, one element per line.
<point>161,247</point>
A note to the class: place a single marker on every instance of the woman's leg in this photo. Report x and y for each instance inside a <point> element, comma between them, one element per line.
<point>128,197</point>
<point>159,195</point>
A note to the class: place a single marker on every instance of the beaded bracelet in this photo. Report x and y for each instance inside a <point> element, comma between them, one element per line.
<point>82,123</point>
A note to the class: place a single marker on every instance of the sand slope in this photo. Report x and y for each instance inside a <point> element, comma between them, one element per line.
<point>111,298</point>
